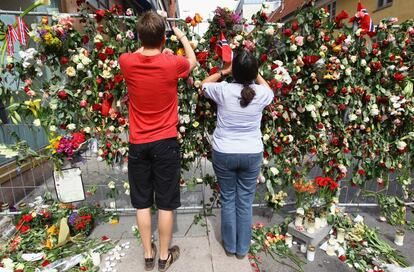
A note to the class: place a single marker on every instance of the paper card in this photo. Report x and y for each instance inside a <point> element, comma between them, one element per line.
<point>69,185</point>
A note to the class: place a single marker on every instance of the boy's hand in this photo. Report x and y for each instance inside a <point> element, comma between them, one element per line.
<point>178,32</point>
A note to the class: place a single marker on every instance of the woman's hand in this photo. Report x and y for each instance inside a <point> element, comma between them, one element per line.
<point>178,32</point>
<point>227,69</point>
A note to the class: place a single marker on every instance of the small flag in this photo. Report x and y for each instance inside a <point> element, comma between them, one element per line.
<point>363,19</point>
<point>22,30</point>
<point>223,49</point>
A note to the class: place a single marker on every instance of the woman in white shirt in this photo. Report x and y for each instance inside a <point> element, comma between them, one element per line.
<point>238,146</point>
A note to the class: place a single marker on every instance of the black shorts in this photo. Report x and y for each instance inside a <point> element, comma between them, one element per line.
<point>154,168</point>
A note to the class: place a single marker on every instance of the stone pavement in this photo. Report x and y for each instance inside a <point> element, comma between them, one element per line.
<point>200,246</point>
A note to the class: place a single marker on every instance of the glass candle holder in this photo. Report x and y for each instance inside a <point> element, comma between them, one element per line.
<point>311,226</point>
<point>311,253</point>
<point>340,235</point>
<point>5,207</point>
<point>303,248</point>
<point>330,250</point>
<point>318,223</point>
<point>289,240</point>
<point>399,237</point>
<point>299,220</point>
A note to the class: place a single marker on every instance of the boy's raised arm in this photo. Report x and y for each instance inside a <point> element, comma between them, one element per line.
<point>189,53</point>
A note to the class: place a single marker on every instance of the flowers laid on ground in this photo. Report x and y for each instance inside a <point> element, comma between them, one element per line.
<point>343,103</point>
<point>50,232</point>
<point>271,241</point>
<point>364,249</point>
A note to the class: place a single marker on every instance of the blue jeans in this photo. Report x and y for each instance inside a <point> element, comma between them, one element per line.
<point>237,176</point>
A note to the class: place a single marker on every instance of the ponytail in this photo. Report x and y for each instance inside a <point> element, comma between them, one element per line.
<point>247,95</point>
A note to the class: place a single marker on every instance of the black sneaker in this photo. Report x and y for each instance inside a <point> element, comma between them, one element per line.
<point>150,262</point>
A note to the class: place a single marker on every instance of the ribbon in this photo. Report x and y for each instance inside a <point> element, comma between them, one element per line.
<point>11,38</point>
<point>23,30</point>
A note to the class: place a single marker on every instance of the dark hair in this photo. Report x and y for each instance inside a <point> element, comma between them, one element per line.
<point>151,29</point>
<point>245,69</point>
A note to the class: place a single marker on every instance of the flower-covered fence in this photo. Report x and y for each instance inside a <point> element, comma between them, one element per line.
<point>341,121</point>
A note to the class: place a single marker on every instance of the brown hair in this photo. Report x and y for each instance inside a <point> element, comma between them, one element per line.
<point>151,29</point>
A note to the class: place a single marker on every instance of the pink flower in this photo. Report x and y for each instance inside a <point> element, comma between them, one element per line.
<point>299,40</point>
<point>249,45</point>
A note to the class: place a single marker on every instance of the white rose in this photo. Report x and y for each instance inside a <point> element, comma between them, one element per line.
<point>270,31</point>
<point>75,59</point>
<point>111,184</point>
<point>374,110</point>
<point>71,127</point>
<point>352,117</point>
<point>80,66</point>
<point>265,162</point>
<point>53,128</point>
<point>310,107</point>
<point>86,61</point>
<point>111,128</point>
<point>197,83</point>
<point>401,145</point>
<point>293,47</point>
<point>266,137</point>
<point>367,71</point>
<point>348,71</point>
<point>36,123</point>
<point>70,71</point>
<point>358,219</point>
<point>238,38</point>
<point>353,59</point>
<point>182,129</point>
<point>87,130</point>
<point>274,171</point>
<point>202,40</point>
<point>106,73</point>
<point>173,38</point>
<point>363,63</point>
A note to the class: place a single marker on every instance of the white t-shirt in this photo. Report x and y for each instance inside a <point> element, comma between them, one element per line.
<point>238,129</point>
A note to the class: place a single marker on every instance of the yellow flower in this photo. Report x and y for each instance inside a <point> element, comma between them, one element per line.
<point>181,52</point>
<point>337,48</point>
<point>48,37</point>
<point>70,71</point>
<point>114,221</point>
<point>196,124</point>
<point>53,230</point>
<point>49,244</point>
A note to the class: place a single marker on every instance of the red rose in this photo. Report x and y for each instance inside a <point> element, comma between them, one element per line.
<point>62,94</point>
<point>342,106</point>
<point>83,103</point>
<point>341,16</point>
<point>287,32</point>
<point>213,70</point>
<point>188,19</point>
<point>63,60</point>
<point>342,258</point>
<point>263,58</point>
<point>399,77</point>
<point>202,57</point>
<point>361,172</point>
<point>45,263</point>
<point>98,45</point>
<point>326,38</point>
<point>108,145</point>
<point>295,26</point>
<point>213,39</point>
<point>320,126</point>
<point>321,181</point>
<point>109,51</point>
<point>102,56</point>
<point>97,107</point>
<point>24,229</point>
<point>278,149</point>
<point>99,80</point>
<point>104,238</point>
<point>62,126</point>
<point>317,24</point>
<point>27,217</point>
<point>118,78</point>
<point>99,15</point>
<point>85,39</point>
<point>310,60</point>
<point>121,121</point>
<point>333,185</point>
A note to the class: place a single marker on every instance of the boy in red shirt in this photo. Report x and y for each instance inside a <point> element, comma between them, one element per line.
<point>154,152</point>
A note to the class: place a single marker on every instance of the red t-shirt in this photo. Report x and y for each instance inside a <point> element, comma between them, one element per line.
<point>153,99</point>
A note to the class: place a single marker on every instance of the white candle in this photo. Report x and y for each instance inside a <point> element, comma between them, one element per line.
<point>330,250</point>
<point>399,238</point>
<point>289,240</point>
<point>298,221</point>
<point>311,254</point>
<point>317,223</point>
<point>303,248</point>
<point>340,236</point>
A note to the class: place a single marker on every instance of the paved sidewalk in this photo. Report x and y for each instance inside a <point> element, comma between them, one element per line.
<point>200,246</point>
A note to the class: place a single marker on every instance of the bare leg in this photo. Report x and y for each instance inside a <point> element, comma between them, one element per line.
<point>144,226</point>
<point>165,225</point>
